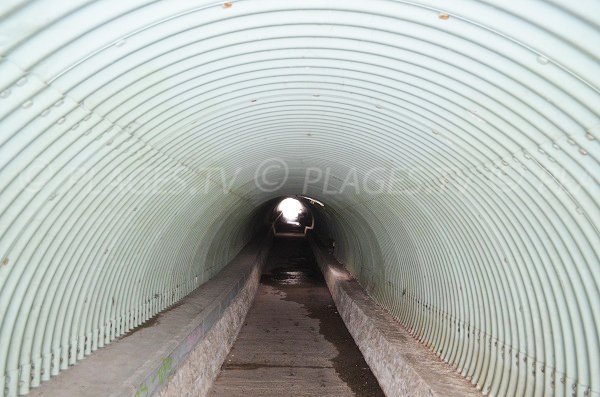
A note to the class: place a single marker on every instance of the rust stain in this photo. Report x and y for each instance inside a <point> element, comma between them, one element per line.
<point>443,16</point>
<point>4,261</point>
<point>227,5</point>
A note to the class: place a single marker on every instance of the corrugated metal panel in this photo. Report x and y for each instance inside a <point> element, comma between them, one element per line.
<point>487,250</point>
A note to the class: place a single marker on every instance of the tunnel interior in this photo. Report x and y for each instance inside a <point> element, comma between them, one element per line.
<point>454,146</point>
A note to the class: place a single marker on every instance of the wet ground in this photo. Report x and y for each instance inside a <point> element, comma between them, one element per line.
<point>294,343</point>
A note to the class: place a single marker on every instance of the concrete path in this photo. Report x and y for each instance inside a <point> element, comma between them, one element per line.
<point>294,343</point>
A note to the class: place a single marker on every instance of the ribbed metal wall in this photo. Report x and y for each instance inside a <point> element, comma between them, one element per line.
<point>487,250</point>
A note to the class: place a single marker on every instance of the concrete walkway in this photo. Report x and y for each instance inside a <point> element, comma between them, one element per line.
<point>294,343</point>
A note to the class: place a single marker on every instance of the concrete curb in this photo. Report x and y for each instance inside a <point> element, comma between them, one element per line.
<point>200,368</point>
<point>182,351</point>
<point>403,367</point>
<point>194,364</point>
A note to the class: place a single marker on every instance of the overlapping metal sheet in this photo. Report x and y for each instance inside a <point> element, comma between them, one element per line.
<point>482,118</point>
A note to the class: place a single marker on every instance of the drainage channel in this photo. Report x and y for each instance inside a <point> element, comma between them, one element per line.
<point>293,341</point>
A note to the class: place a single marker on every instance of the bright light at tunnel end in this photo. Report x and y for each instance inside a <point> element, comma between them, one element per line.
<point>290,209</point>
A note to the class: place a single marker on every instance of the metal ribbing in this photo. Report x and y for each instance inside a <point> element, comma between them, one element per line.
<point>487,249</point>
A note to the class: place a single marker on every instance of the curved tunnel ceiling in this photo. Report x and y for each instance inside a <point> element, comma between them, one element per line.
<point>456,141</point>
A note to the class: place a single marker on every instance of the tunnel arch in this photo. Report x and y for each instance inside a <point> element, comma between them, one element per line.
<point>132,133</point>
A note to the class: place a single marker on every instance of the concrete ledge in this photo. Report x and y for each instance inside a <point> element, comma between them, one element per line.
<point>201,367</point>
<point>182,349</point>
<point>403,367</point>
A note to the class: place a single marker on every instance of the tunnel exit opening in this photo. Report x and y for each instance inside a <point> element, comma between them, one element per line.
<point>292,218</point>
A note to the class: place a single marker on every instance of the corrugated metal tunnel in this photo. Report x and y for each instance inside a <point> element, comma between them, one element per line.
<point>454,145</point>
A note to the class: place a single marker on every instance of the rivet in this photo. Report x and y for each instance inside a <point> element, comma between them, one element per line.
<point>316,95</point>
<point>60,121</point>
<point>583,151</point>
<point>527,156</point>
<point>504,163</point>
<point>45,112</point>
<point>27,104</point>
<point>120,43</point>
<point>542,60</point>
<point>579,210</point>
<point>87,117</point>
<point>5,93</point>
<point>555,146</point>
<point>541,150</point>
<point>59,102</point>
<point>571,141</point>
<point>52,196</point>
<point>75,126</point>
<point>590,136</point>
<point>22,81</point>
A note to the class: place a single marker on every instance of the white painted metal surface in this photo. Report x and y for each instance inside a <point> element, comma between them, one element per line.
<point>485,112</point>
